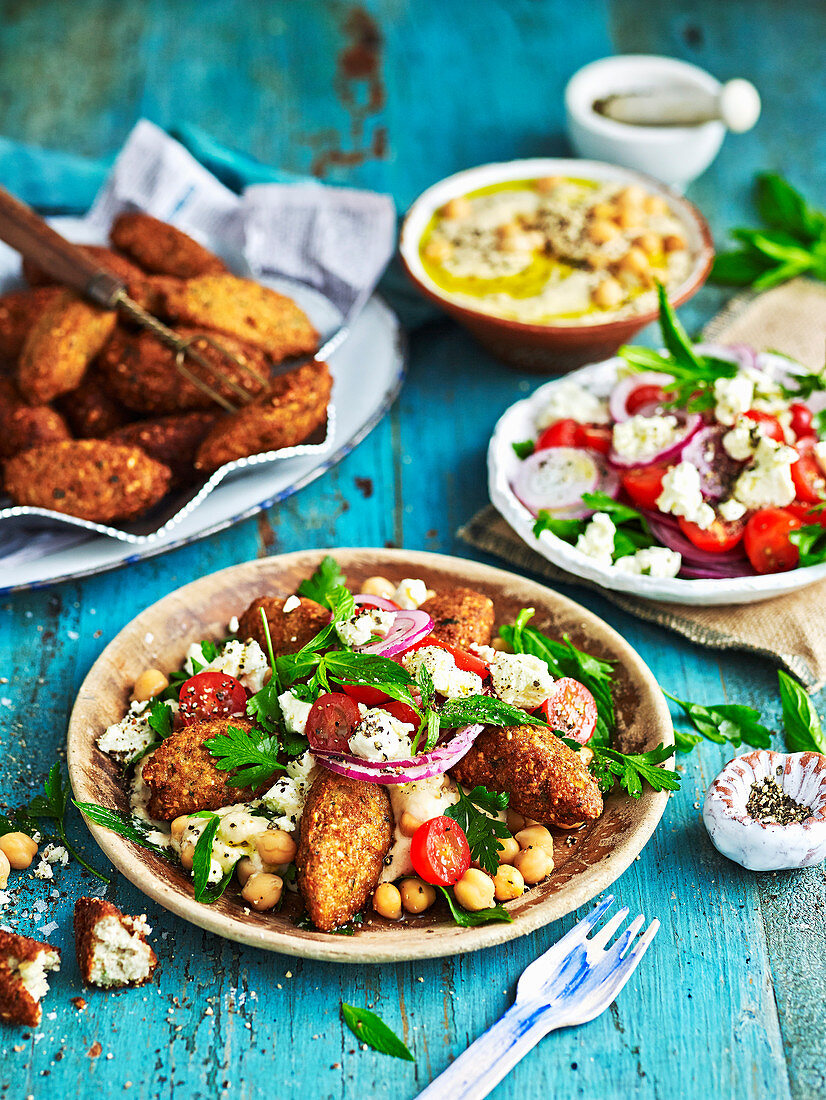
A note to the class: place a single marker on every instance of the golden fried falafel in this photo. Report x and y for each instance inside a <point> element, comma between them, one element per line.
<point>161,249</point>
<point>91,410</point>
<point>293,407</point>
<point>140,372</point>
<point>89,478</point>
<point>181,773</point>
<point>130,274</point>
<point>18,313</point>
<point>24,426</point>
<point>346,831</point>
<point>66,337</point>
<point>19,996</point>
<point>545,779</point>
<point>460,616</point>
<point>246,310</point>
<point>289,632</point>
<point>172,440</point>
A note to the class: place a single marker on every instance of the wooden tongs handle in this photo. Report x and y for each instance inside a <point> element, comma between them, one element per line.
<point>26,232</point>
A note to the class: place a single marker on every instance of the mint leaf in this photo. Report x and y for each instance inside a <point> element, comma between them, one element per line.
<point>126,825</point>
<point>804,730</point>
<point>525,449</point>
<point>484,710</point>
<point>726,722</point>
<point>811,542</point>
<point>369,1028</point>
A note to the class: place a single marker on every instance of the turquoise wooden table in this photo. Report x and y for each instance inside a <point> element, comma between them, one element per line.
<point>394,94</point>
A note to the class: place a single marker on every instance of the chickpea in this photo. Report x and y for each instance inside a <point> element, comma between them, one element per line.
<point>378,586</point>
<point>631,196</point>
<point>650,243</point>
<point>500,645</point>
<point>508,850</point>
<point>416,895</point>
<point>628,217</point>
<point>5,870</point>
<point>456,209</point>
<point>547,183</point>
<point>188,854</point>
<point>673,242</point>
<point>178,825</point>
<point>655,204</point>
<point>19,849</point>
<point>608,294</point>
<point>635,262</point>
<point>597,261</point>
<point>409,824</point>
<point>600,232</point>
<point>149,684</point>
<point>586,755</point>
<point>276,846</point>
<point>387,901</point>
<point>508,883</point>
<point>514,238</point>
<point>437,250</point>
<point>263,891</point>
<point>604,211</point>
<point>244,870</point>
<point>534,864</point>
<point>474,890</point>
<point>534,836</point>
<point>515,821</point>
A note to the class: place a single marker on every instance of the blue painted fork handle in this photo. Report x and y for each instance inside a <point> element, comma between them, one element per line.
<point>483,1065</point>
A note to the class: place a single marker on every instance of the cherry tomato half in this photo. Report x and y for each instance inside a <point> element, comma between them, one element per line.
<point>802,417</point>
<point>571,709</point>
<point>209,695</point>
<point>643,396</point>
<point>769,425</point>
<point>403,711</point>
<point>370,696</point>
<point>331,721</point>
<point>467,662</point>
<point>766,540</point>
<point>717,538</point>
<point>594,437</point>
<point>562,433</point>
<point>439,851</point>
<point>644,484</point>
<point>807,474</point>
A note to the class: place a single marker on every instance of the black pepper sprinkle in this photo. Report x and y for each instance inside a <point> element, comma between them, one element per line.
<point>769,802</point>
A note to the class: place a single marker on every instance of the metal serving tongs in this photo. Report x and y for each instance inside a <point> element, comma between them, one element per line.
<point>28,233</point>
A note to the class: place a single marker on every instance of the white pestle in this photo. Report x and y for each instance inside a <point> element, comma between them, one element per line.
<point>737,106</point>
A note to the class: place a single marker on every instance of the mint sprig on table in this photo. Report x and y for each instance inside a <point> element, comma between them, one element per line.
<point>371,1029</point>
<point>564,659</point>
<point>801,722</point>
<point>475,812</point>
<point>793,241</point>
<point>693,374</point>
<point>632,530</point>
<point>722,722</point>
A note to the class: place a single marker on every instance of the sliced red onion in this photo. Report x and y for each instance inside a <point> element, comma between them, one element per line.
<point>667,531</point>
<point>408,628</point>
<point>363,600</point>
<point>555,479</point>
<point>620,394</point>
<point>718,470</point>
<point>721,571</point>
<point>436,762</point>
<point>691,423</point>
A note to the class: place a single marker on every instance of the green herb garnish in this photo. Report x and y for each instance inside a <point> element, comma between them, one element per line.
<point>485,710</point>
<point>630,769</point>
<point>475,812</point>
<point>804,730</point>
<point>811,542</point>
<point>160,719</point>
<point>369,1028</point>
<point>467,919</point>
<point>202,861</point>
<point>524,449</point>
<point>251,754</point>
<point>723,722</point>
<point>327,577</point>
<point>52,805</point>
<point>126,825</point>
<point>632,530</point>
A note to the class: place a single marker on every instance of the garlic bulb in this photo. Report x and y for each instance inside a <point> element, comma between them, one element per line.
<point>767,810</point>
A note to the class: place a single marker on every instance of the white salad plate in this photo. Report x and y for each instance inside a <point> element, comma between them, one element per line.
<point>518,423</point>
<point>368,368</point>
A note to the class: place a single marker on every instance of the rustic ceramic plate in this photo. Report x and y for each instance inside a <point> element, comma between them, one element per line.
<point>159,637</point>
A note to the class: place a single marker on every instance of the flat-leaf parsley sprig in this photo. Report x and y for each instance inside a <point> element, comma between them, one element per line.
<point>629,769</point>
<point>476,812</point>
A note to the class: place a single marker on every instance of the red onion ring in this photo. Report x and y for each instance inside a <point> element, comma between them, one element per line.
<point>618,401</point>
<point>692,422</point>
<point>435,762</point>
<point>408,628</point>
<point>363,600</point>
<point>568,502</point>
<point>667,531</point>
<point>717,468</point>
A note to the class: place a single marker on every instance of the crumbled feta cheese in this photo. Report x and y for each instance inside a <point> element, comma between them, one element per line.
<point>43,870</point>
<point>131,735</point>
<point>656,561</point>
<point>569,400</point>
<point>56,853</point>
<point>682,495</point>
<point>731,510</point>
<point>741,442</point>
<point>448,680</point>
<point>521,679</point>
<point>287,797</point>
<point>768,482</point>
<point>243,660</point>
<point>302,767</point>
<point>410,594</point>
<point>380,736</point>
<point>290,604</point>
<point>641,438</point>
<point>296,711</point>
<point>233,625</point>
<point>820,454</point>
<point>361,627</point>
<point>734,396</point>
<point>597,540</point>
<point>486,652</point>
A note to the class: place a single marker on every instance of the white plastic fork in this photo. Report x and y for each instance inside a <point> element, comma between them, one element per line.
<point>572,983</point>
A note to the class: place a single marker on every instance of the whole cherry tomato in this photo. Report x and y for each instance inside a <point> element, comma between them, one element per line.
<point>766,540</point>
<point>807,473</point>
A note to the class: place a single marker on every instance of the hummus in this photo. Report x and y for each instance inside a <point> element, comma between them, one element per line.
<point>556,251</point>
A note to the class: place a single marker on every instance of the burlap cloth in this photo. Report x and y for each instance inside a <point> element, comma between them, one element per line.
<point>790,629</point>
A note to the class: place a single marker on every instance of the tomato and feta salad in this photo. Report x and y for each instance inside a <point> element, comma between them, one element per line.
<point>702,462</point>
<point>344,751</point>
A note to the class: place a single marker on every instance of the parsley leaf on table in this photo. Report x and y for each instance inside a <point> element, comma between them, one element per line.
<point>370,1029</point>
<point>631,769</point>
<point>253,755</point>
<point>465,918</point>
<point>473,812</point>
<point>52,806</point>
<point>324,580</point>
<point>804,730</point>
<point>724,722</point>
